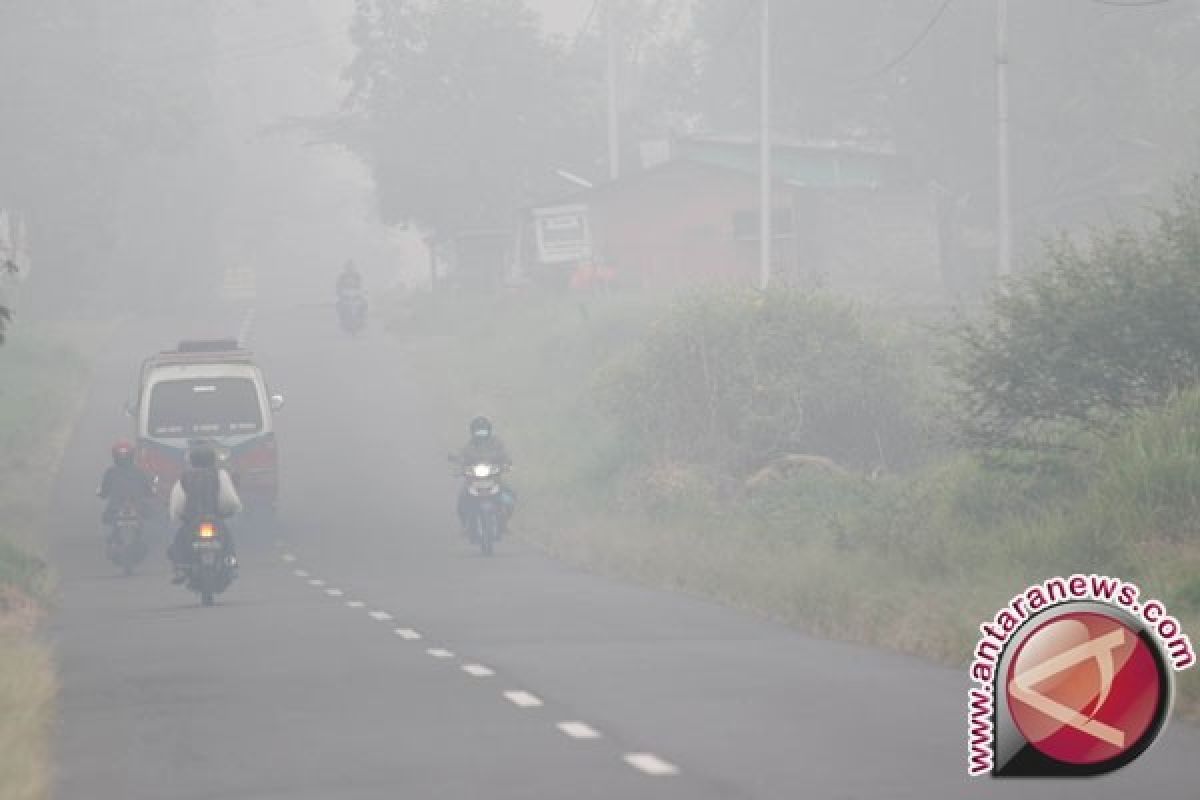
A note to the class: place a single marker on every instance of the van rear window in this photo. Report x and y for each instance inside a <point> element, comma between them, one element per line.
<point>204,407</point>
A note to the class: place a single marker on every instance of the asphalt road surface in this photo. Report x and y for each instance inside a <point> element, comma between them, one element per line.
<point>367,652</point>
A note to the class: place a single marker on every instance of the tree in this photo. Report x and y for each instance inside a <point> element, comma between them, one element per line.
<point>463,110</point>
<point>1098,334</point>
<point>107,146</point>
<point>1104,99</point>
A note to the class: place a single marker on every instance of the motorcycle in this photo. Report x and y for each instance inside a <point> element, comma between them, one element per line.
<point>488,504</point>
<point>352,311</point>
<point>126,545</point>
<point>213,567</point>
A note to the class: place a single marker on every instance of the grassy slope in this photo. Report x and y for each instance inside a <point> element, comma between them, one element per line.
<point>42,378</point>
<point>913,563</point>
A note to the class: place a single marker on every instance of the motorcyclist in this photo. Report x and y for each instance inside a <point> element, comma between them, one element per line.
<point>350,280</point>
<point>351,303</point>
<point>202,490</point>
<point>483,447</point>
<point>123,483</point>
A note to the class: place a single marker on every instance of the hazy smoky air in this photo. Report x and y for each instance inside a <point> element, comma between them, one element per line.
<point>266,135</point>
<point>595,398</point>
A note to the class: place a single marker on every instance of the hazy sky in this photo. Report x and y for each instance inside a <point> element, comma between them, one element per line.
<point>563,16</point>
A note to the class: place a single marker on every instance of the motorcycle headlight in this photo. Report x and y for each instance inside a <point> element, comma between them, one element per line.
<point>482,470</point>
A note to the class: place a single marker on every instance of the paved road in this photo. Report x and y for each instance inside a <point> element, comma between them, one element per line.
<point>308,680</point>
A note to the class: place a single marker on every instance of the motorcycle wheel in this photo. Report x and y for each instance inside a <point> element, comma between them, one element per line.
<point>487,533</point>
<point>206,598</point>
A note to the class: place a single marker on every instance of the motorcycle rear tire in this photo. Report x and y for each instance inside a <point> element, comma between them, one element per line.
<point>206,599</point>
<point>487,534</point>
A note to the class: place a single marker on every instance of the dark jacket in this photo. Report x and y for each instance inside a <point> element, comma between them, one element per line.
<point>490,450</point>
<point>202,492</point>
<point>125,484</point>
<point>349,283</point>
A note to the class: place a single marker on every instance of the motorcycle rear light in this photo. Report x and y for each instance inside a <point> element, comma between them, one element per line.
<point>207,530</point>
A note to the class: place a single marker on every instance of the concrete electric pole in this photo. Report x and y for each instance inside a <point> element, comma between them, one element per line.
<point>764,213</point>
<point>614,131</point>
<point>1003,159</point>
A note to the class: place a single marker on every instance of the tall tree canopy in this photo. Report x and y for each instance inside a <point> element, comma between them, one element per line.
<point>1104,99</point>
<point>107,145</point>
<point>464,109</point>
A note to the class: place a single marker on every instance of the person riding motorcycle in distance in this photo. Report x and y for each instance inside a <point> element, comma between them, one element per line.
<point>483,447</point>
<point>350,280</point>
<point>203,490</point>
<point>123,483</point>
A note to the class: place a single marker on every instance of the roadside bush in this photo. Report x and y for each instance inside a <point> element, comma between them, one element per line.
<point>1101,332</point>
<point>736,379</point>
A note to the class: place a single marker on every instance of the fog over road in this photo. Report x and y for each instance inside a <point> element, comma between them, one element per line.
<point>308,679</point>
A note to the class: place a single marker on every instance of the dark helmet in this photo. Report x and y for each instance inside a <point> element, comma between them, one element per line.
<point>122,452</point>
<point>202,456</point>
<point>481,428</point>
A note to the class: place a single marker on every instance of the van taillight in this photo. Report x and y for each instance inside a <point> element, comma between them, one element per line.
<point>259,457</point>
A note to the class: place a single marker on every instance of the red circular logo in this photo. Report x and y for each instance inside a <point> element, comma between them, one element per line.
<point>1084,688</point>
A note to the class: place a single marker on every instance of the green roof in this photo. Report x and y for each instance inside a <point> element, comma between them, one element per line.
<point>816,165</point>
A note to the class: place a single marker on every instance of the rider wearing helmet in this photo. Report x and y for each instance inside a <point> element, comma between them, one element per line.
<point>203,490</point>
<point>123,482</point>
<point>350,280</point>
<point>484,446</point>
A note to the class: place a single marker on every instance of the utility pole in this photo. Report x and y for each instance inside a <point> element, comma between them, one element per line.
<point>1003,157</point>
<point>764,205</point>
<point>614,132</point>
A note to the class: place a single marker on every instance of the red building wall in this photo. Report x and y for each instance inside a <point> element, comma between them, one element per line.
<point>676,224</point>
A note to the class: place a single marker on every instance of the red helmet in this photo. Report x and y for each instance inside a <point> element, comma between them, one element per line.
<point>122,452</point>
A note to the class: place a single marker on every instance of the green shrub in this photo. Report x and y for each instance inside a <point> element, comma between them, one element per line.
<point>736,378</point>
<point>1099,333</point>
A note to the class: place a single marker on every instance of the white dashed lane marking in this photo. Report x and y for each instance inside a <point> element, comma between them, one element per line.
<point>646,763</point>
<point>579,730</point>
<point>477,670</point>
<point>523,699</point>
<point>651,764</point>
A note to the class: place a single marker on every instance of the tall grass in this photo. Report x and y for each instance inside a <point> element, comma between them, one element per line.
<point>42,380</point>
<point>26,712</point>
<point>909,561</point>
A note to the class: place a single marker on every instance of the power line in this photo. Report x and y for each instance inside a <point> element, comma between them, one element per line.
<point>1131,3</point>
<point>912,48</point>
<point>587,23</point>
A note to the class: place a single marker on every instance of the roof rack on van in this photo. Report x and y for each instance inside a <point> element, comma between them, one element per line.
<point>208,345</point>
<point>202,351</point>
